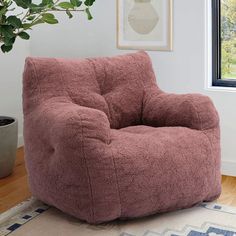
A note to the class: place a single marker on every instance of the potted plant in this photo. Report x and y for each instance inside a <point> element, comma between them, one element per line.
<point>8,144</point>
<point>17,25</point>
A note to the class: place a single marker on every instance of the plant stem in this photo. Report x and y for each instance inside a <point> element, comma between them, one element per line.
<point>64,10</point>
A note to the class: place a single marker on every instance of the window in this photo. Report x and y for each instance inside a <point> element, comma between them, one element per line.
<point>224,43</point>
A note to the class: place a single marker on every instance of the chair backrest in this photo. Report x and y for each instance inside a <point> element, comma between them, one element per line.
<point>114,85</point>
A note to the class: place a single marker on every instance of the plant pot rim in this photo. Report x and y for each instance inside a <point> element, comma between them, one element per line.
<point>8,117</point>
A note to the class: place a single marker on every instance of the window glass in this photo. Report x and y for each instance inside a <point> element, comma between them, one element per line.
<point>228,39</point>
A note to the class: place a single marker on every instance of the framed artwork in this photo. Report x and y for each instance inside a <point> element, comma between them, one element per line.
<point>144,24</point>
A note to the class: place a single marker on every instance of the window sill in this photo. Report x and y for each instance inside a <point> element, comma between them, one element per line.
<point>221,89</point>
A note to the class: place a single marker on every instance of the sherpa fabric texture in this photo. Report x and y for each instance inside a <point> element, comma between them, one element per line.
<point>102,141</point>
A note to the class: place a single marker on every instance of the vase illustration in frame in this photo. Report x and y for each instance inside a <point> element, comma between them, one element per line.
<point>144,24</point>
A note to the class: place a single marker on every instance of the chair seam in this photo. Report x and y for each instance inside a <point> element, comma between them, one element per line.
<point>211,145</point>
<point>87,170</point>
<point>169,108</point>
<point>83,152</point>
<point>196,110</point>
<point>101,87</point>
<point>117,184</point>
<point>37,79</point>
<point>108,104</point>
<point>199,118</point>
<point>36,76</point>
<point>144,90</point>
<point>91,62</point>
<point>65,87</point>
<point>142,108</point>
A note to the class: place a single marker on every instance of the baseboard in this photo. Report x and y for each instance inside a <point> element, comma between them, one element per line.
<point>228,168</point>
<point>20,141</point>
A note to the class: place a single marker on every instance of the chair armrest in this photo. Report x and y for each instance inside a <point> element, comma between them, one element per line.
<point>69,144</point>
<point>194,111</point>
<point>60,121</point>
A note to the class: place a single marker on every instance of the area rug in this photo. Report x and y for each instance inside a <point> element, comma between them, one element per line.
<point>33,218</point>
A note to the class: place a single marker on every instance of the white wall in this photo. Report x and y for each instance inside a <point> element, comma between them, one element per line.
<point>180,71</point>
<point>11,68</point>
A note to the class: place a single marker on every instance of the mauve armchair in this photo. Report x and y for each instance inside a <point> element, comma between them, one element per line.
<point>102,141</point>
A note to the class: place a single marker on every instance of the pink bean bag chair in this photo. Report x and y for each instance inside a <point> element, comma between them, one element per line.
<point>102,141</point>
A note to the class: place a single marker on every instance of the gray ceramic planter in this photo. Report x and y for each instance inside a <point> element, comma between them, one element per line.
<point>8,144</point>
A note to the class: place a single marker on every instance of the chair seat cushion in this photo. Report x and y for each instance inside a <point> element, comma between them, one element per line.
<point>161,169</point>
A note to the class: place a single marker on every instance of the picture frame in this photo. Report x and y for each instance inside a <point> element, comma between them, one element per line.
<point>145,24</point>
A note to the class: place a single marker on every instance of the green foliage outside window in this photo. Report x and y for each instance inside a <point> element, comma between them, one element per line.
<point>14,25</point>
<point>228,37</point>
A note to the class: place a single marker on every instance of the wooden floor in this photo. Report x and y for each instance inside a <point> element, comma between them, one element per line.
<point>14,189</point>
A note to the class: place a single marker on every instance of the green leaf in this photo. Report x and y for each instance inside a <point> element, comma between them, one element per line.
<point>46,3</point>
<point>3,19</point>
<point>88,14</point>
<point>3,10</point>
<point>7,31</point>
<point>39,21</point>
<point>50,21</point>
<point>5,48</point>
<point>69,14</point>
<point>14,21</point>
<point>24,35</point>
<point>65,5</point>
<point>76,3</point>
<point>35,8</point>
<point>28,26</point>
<point>31,18</point>
<point>9,41</point>
<point>49,18</point>
<point>23,3</point>
<point>89,2</point>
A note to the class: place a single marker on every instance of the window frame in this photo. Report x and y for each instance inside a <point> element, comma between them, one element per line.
<point>216,48</point>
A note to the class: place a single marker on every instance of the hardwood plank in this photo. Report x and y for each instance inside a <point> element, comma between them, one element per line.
<point>228,196</point>
<point>14,189</point>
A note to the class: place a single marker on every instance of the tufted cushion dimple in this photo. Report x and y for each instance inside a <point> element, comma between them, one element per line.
<point>102,141</point>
